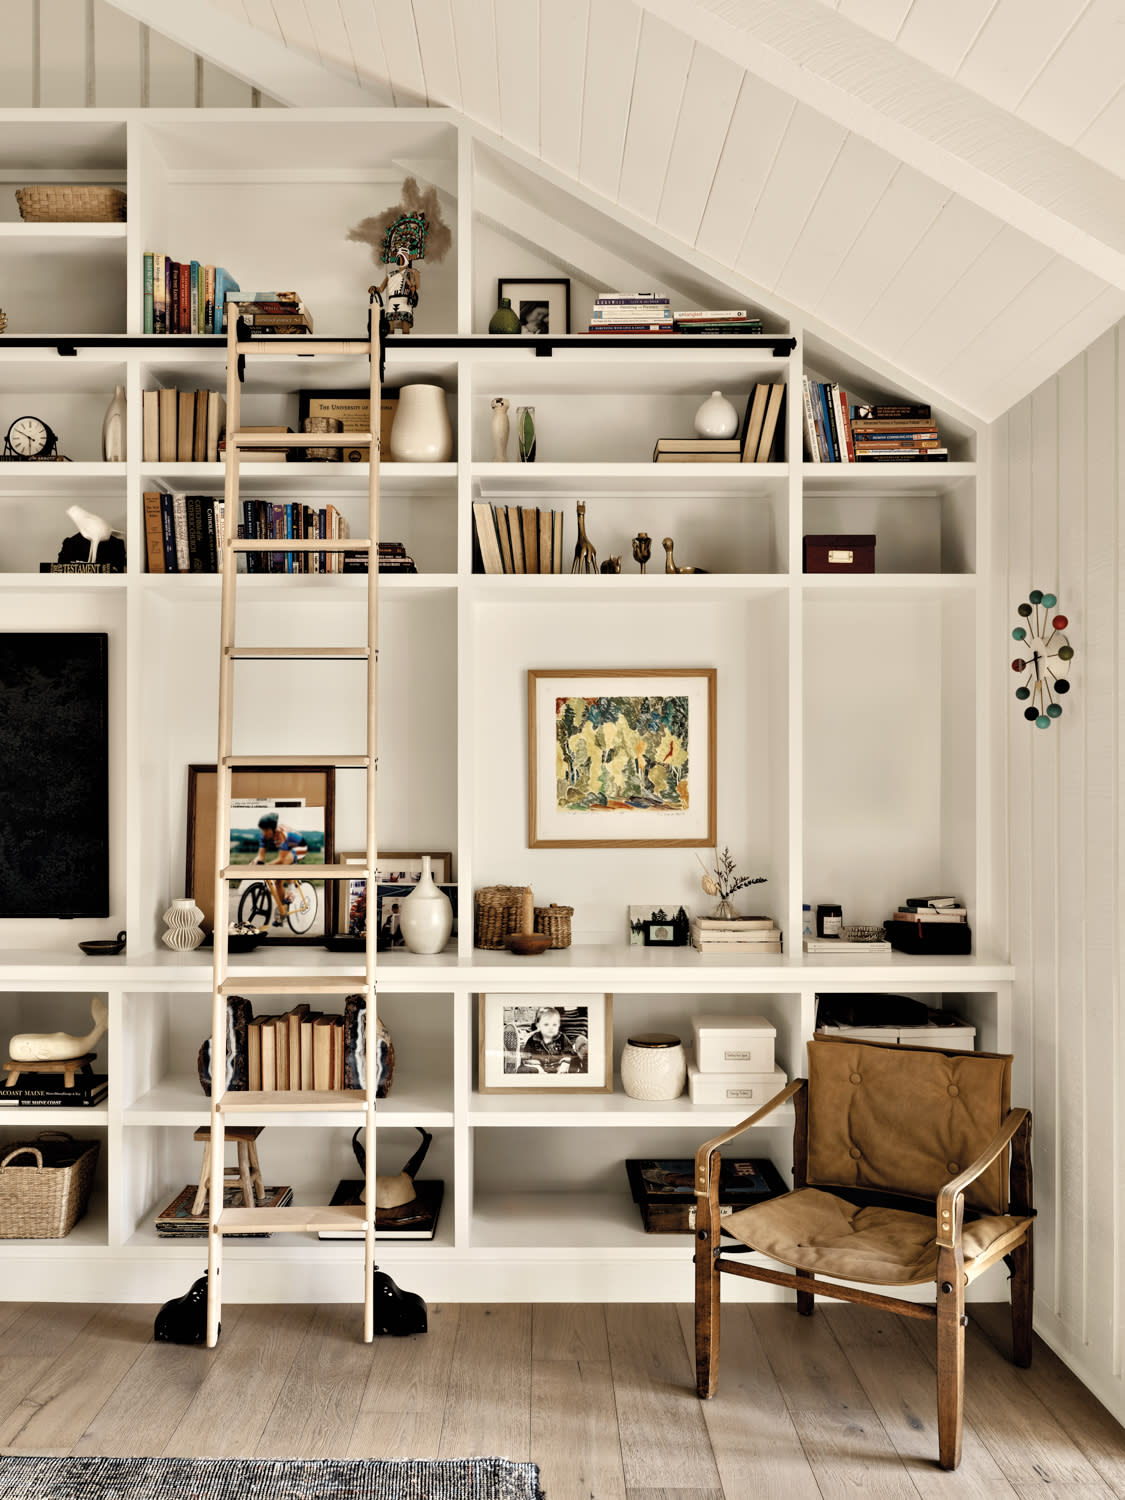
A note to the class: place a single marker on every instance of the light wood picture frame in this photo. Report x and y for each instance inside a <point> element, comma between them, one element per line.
<point>545,1044</point>
<point>609,751</point>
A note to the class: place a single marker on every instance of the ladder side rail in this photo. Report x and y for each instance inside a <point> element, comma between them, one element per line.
<point>372,845</point>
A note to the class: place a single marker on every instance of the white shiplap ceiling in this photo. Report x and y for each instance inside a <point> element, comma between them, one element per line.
<point>941,182</point>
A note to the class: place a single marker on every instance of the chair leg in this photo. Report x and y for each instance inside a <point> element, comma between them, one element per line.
<point>1022,1263</point>
<point>950,1369</point>
<point>706,1314</point>
<point>806,1301</point>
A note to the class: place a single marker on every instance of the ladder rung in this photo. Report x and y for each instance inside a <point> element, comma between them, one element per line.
<point>286,1101</point>
<point>282,653</point>
<point>302,344</point>
<point>297,760</point>
<point>298,544</point>
<point>310,984</point>
<point>292,872</point>
<point>298,439</point>
<point>291,1220</point>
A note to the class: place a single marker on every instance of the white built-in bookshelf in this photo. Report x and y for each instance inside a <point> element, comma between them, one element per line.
<point>854,722</point>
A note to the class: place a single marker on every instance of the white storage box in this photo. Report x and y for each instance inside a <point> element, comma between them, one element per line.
<point>960,1038</point>
<point>733,1044</point>
<point>738,1090</point>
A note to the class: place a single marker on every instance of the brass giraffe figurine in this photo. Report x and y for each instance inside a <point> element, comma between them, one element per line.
<point>585,555</point>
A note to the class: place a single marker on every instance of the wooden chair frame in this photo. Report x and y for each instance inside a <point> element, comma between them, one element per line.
<point>949,1310</point>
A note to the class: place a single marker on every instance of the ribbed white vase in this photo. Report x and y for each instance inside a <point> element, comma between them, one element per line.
<point>426,916</point>
<point>420,432</point>
<point>183,925</point>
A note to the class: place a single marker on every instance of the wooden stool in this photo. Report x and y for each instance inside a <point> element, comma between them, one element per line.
<point>247,1172</point>
<point>67,1066</point>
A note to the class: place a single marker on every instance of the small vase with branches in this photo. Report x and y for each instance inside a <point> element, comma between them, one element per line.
<point>722,881</point>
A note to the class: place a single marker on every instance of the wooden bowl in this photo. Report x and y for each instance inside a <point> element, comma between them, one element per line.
<point>527,943</point>
<point>104,947</point>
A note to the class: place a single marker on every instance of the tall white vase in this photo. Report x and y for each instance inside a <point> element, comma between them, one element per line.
<point>420,432</point>
<point>183,929</point>
<point>426,916</point>
<point>113,428</point>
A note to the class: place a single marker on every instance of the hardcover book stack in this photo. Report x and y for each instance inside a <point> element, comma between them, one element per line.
<point>663,1188</point>
<point>177,1222</point>
<point>930,924</point>
<point>274,313</point>
<point>716,321</point>
<point>279,455</point>
<point>183,426</point>
<point>900,434</point>
<point>735,935</point>
<point>631,312</point>
<point>184,296</point>
<point>393,558</point>
<point>517,539</point>
<point>46,1091</point>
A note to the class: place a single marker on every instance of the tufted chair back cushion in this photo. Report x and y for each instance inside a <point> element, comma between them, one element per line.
<point>905,1120</point>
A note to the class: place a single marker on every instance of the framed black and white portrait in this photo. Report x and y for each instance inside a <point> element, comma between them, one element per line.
<point>556,1044</point>
<point>541,306</point>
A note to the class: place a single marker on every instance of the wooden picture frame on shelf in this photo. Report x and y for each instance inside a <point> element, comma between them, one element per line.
<point>393,869</point>
<point>644,798</point>
<point>281,787</point>
<point>546,1044</point>
<point>541,304</point>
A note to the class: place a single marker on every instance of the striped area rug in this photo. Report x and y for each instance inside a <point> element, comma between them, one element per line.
<point>26,1478</point>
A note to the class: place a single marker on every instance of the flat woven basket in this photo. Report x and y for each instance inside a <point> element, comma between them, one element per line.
<point>500,911</point>
<point>45,1186</point>
<point>555,922</point>
<point>71,204</point>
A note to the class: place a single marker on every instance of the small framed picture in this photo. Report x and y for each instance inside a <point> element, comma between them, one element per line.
<point>548,1044</point>
<point>671,915</point>
<point>392,870</point>
<point>660,934</point>
<point>541,306</point>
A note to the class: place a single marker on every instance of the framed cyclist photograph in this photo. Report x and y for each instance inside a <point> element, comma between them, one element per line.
<point>281,819</point>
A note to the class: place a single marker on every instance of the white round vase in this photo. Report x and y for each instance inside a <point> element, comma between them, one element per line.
<point>425,918</point>
<point>113,428</point>
<point>653,1066</point>
<point>183,925</point>
<point>716,418</point>
<point>421,432</point>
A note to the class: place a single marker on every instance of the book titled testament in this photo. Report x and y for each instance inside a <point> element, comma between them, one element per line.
<point>663,1189</point>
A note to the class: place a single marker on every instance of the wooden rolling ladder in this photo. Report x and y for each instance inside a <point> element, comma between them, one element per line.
<point>241,348</point>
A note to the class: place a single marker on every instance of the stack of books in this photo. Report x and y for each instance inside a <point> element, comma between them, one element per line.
<point>273,312</point>
<point>298,1050</point>
<point>279,455</point>
<point>902,434</point>
<point>663,1188</point>
<point>45,1091</point>
<point>393,558</point>
<point>183,426</point>
<point>838,945</point>
<point>713,321</point>
<point>517,539</point>
<point>697,451</point>
<point>177,1222</point>
<point>931,909</point>
<point>631,312</point>
<point>183,296</point>
<point>735,935</point>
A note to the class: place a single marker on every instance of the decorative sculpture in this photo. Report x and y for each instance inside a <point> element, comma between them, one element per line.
<point>612,565</point>
<point>670,561</point>
<point>585,555</point>
<point>401,235</point>
<point>56,1046</point>
<point>93,528</point>
<point>501,428</point>
<point>393,1192</point>
<point>642,548</point>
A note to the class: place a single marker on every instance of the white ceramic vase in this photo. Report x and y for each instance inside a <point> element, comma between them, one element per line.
<point>183,925</point>
<point>426,916</point>
<point>113,428</point>
<point>653,1066</point>
<point>716,418</point>
<point>421,432</point>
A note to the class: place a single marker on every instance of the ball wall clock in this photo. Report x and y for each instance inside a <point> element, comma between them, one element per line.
<point>1044,663</point>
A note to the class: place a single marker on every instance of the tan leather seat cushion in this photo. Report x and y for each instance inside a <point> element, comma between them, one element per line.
<point>816,1231</point>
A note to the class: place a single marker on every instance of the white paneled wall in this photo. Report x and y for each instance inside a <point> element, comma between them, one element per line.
<point>1060,483</point>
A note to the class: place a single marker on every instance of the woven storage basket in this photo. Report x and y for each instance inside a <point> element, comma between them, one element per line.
<point>45,1185</point>
<point>71,204</point>
<point>500,911</point>
<point>555,922</point>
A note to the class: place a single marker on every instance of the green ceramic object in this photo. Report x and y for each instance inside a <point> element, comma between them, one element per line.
<point>525,433</point>
<point>504,320</point>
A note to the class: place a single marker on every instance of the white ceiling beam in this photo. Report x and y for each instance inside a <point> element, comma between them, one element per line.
<point>953,135</point>
<point>260,60</point>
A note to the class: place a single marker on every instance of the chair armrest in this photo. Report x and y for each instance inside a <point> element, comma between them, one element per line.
<point>703,1155</point>
<point>948,1221</point>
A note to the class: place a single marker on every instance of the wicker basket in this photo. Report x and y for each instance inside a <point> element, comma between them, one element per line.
<point>45,1185</point>
<point>555,922</point>
<point>71,204</point>
<point>500,911</point>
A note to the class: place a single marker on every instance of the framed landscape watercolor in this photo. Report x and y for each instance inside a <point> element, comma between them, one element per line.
<point>621,758</point>
<point>545,1044</point>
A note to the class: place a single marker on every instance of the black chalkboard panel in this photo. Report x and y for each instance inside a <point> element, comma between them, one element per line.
<point>54,774</point>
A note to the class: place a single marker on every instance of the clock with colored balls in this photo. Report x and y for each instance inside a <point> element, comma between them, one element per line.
<point>1043,665</point>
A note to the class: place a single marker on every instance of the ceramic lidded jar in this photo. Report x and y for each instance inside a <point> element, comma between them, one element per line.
<point>183,925</point>
<point>425,918</point>
<point>421,432</point>
<point>653,1066</point>
<point>716,417</point>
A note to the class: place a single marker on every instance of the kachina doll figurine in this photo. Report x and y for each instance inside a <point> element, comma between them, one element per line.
<point>400,236</point>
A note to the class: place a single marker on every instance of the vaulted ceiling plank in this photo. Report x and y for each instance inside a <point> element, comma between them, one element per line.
<point>1093,51</point>
<point>333,44</point>
<point>262,60</point>
<point>475,30</point>
<point>518,62</point>
<point>261,15</point>
<point>610,52</point>
<point>758,126</point>
<point>661,71</point>
<point>400,43</point>
<point>437,43</point>
<point>702,123</point>
<point>940,32</point>
<point>117,58</point>
<point>883,17</point>
<point>297,30</point>
<point>1101,140</point>
<point>562,81</point>
<point>1013,47</point>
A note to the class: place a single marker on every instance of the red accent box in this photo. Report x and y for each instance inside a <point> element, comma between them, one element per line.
<point>839,554</point>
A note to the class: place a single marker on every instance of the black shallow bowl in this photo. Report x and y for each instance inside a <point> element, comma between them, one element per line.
<point>237,942</point>
<point>345,942</point>
<point>103,947</point>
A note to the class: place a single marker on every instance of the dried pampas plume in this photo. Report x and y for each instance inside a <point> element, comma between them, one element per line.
<point>373,231</point>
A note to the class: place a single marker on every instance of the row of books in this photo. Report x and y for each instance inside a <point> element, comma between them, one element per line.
<point>838,433</point>
<point>735,935</point>
<point>45,1091</point>
<point>184,296</point>
<point>182,426</point>
<point>297,1050</point>
<point>518,538</point>
<point>650,312</point>
<point>184,534</point>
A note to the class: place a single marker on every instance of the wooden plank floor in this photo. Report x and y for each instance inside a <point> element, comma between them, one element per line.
<point>601,1398</point>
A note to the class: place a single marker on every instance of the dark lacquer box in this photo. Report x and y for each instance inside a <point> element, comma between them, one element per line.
<point>839,554</point>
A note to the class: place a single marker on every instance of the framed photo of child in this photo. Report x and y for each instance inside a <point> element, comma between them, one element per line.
<point>547,1044</point>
